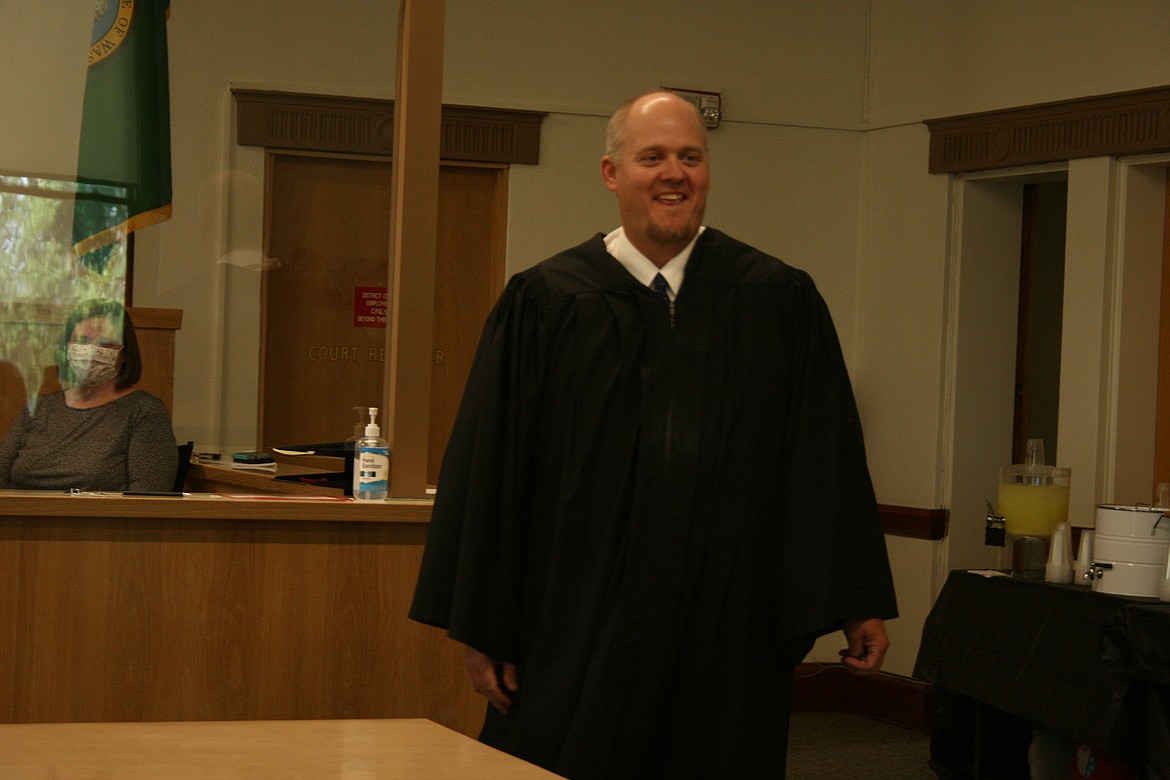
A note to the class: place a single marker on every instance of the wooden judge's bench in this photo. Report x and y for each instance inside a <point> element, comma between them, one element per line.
<point>209,608</point>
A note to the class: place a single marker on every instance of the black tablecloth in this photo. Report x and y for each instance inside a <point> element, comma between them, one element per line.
<point>1089,666</point>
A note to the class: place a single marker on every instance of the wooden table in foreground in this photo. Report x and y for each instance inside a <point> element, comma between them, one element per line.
<point>209,608</point>
<point>412,749</point>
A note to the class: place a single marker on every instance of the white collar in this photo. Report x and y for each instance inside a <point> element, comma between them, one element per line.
<point>640,266</point>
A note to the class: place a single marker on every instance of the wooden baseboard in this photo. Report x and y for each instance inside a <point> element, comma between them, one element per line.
<point>892,698</point>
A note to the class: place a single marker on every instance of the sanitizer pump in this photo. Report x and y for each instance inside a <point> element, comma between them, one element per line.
<point>371,469</point>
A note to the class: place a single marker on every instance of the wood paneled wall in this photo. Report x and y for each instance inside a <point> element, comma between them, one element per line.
<point>123,609</point>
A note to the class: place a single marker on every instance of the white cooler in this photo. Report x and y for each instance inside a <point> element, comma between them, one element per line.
<point>1130,547</point>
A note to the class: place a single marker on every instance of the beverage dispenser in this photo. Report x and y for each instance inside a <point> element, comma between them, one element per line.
<point>1033,499</point>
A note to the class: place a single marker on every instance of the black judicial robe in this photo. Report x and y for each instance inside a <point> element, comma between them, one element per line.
<point>644,517</point>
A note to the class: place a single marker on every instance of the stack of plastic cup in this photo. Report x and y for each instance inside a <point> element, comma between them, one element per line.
<point>1059,567</point>
<point>1084,559</point>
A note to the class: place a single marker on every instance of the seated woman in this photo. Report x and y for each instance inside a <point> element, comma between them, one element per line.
<point>100,433</point>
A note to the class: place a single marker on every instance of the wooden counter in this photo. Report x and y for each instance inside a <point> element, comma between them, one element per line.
<point>414,749</point>
<point>115,608</point>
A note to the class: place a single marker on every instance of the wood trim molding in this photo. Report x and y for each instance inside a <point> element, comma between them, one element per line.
<point>1116,124</point>
<point>914,522</point>
<point>348,125</point>
<point>892,698</point>
<point>159,319</point>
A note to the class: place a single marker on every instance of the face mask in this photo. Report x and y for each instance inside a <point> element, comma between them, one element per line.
<point>93,365</point>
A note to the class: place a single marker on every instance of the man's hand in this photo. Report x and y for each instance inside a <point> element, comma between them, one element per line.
<point>484,678</point>
<point>867,645</point>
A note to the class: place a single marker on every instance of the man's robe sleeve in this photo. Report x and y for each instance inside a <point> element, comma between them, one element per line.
<point>832,524</point>
<point>469,582</point>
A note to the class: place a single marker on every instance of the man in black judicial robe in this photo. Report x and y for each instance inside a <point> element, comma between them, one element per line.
<point>649,508</point>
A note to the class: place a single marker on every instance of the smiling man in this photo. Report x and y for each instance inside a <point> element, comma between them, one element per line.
<point>656,162</point>
<point>655,496</point>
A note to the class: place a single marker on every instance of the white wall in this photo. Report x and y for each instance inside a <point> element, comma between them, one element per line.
<point>777,62</point>
<point>821,160</point>
<point>39,129</point>
<point>935,58</point>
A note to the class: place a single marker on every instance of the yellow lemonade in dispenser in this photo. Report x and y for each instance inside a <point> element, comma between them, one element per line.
<point>1033,508</point>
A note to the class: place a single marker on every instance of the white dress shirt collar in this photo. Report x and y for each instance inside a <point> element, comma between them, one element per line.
<point>640,266</point>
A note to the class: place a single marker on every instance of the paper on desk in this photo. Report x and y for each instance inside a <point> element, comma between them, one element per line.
<point>254,466</point>
<point>989,573</point>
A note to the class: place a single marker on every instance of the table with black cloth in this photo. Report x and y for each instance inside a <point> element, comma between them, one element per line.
<point>1006,654</point>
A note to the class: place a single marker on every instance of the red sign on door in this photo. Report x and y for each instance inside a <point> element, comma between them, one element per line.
<point>369,307</point>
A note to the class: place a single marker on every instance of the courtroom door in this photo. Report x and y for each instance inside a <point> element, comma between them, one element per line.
<point>325,302</point>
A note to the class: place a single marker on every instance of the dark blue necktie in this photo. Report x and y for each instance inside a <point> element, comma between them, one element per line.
<point>662,287</point>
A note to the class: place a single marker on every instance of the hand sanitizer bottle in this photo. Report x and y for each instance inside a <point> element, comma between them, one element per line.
<point>371,468</point>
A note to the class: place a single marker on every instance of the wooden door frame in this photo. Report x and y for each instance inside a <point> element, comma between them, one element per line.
<point>1162,417</point>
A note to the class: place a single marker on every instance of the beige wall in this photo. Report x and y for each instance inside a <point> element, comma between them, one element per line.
<point>821,161</point>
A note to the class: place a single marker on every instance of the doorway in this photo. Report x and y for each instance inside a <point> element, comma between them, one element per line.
<point>325,302</point>
<point>1040,318</point>
<point>1114,250</point>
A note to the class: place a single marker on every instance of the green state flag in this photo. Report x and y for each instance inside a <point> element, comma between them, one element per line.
<point>124,160</point>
